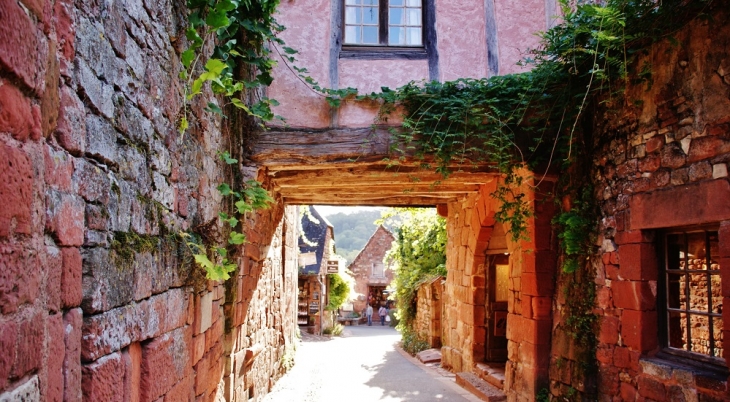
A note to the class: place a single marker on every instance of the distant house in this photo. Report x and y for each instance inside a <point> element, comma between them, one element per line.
<point>316,247</point>
<point>372,276</point>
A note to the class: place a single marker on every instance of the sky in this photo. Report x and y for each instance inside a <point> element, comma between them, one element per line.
<point>327,210</point>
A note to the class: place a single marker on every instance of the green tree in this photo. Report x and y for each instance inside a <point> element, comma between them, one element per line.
<point>339,291</point>
<point>418,255</point>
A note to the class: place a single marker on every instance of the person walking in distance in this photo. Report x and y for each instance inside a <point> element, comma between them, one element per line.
<point>369,314</point>
<point>382,312</point>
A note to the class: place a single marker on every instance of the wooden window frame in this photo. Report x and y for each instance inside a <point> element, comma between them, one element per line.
<point>384,51</point>
<point>696,358</point>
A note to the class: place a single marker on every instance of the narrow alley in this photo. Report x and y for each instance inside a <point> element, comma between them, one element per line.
<point>363,365</point>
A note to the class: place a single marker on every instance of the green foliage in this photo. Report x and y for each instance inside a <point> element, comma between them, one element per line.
<point>531,119</point>
<point>418,254</point>
<point>238,31</point>
<point>214,260</point>
<point>339,291</point>
<point>411,342</point>
<point>335,330</point>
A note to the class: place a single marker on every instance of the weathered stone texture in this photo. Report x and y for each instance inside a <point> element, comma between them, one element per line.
<point>677,141</point>
<point>89,157</point>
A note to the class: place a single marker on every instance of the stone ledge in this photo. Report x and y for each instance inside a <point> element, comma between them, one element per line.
<point>479,387</point>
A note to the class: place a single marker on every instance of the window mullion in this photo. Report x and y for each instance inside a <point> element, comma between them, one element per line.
<point>383,23</point>
<point>687,293</point>
<point>708,278</point>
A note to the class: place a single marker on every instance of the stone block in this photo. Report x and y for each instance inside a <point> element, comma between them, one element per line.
<point>56,350</point>
<point>59,169</point>
<point>182,391</point>
<point>27,391</point>
<point>72,321</point>
<point>101,139</point>
<point>707,147</point>
<point>107,281</point>
<point>24,49</point>
<point>638,262</point>
<point>16,191</point>
<point>19,278</point>
<point>71,128</point>
<point>8,342</point>
<point>117,328</point>
<point>165,361</point>
<point>132,358</point>
<point>30,345</point>
<point>203,313</point>
<point>71,277</point>
<point>634,295</point>
<point>97,92</point>
<point>53,267</point>
<point>537,284</point>
<point>91,182</point>
<point>651,388</point>
<point>16,113</point>
<point>609,330</point>
<point>639,330</point>
<point>103,380</point>
<point>65,218</point>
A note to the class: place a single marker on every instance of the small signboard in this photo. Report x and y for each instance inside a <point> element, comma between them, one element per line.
<point>307,259</point>
<point>500,323</point>
<point>333,267</point>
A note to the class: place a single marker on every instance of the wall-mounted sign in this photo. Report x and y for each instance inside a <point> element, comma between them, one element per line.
<point>500,323</point>
<point>333,267</point>
<point>307,259</point>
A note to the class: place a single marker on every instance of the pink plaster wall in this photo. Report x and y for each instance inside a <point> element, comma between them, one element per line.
<point>300,106</point>
<point>460,29</point>
<point>369,76</point>
<point>517,23</point>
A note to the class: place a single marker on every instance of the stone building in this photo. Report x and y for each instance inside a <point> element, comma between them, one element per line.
<point>371,273</point>
<point>99,298</point>
<point>316,248</point>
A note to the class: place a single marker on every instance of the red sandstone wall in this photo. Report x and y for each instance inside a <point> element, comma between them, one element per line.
<point>89,102</point>
<point>662,164</point>
<point>470,228</point>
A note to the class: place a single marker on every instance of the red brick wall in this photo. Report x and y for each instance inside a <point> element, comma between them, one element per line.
<point>89,103</point>
<point>662,164</point>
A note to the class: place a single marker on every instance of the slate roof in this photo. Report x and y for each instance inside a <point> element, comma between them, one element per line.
<point>314,230</point>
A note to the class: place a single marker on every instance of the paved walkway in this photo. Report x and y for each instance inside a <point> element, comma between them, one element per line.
<point>363,366</point>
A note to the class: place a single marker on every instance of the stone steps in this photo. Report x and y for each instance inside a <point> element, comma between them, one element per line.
<point>480,388</point>
<point>491,373</point>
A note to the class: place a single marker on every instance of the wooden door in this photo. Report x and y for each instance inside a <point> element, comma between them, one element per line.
<point>496,307</point>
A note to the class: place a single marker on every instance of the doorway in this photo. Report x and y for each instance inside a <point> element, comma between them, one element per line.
<point>496,307</point>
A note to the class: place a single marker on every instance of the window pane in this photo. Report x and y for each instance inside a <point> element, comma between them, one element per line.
<point>675,251</point>
<point>700,333</point>
<point>717,330</point>
<point>396,16</point>
<point>413,36</point>
<point>696,250</point>
<point>370,15</point>
<point>352,34</point>
<point>675,291</point>
<point>413,3</point>
<point>352,15</point>
<point>414,17</point>
<point>501,274</point>
<point>352,2</point>
<point>370,2</point>
<point>396,36</point>
<point>698,292</point>
<point>716,294</point>
<point>370,34</point>
<point>677,330</point>
<point>396,2</point>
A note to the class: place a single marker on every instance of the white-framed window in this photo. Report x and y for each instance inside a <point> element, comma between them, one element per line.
<point>378,270</point>
<point>383,23</point>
